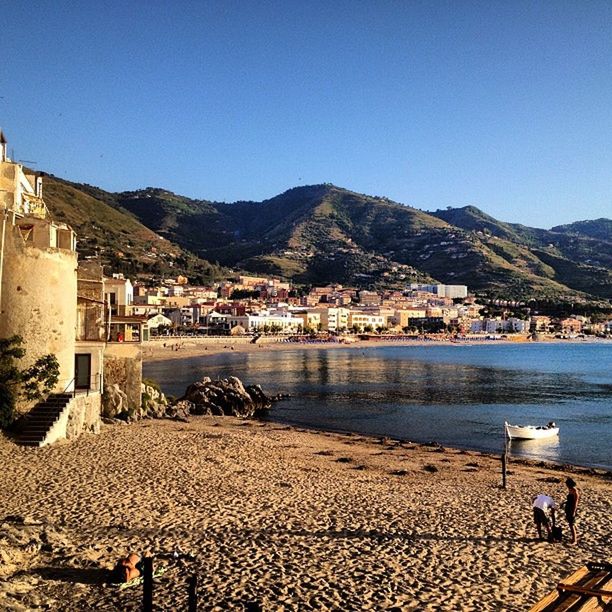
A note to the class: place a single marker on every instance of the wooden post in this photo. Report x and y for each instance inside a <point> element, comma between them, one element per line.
<point>147,585</point>
<point>193,593</point>
<point>503,462</point>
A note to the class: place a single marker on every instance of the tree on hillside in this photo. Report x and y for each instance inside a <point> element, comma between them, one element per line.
<point>31,383</point>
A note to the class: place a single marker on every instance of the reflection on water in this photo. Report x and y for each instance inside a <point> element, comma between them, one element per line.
<point>458,396</point>
<point>545,447</point>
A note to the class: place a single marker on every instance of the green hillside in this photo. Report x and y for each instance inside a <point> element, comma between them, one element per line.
<point>323,233</point>
<point>597,228</point>
<point>118,239</point>
<point>578,255</point>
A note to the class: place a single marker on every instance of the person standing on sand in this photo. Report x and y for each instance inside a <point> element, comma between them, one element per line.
<point>571,506</point>
<point>542,506</point>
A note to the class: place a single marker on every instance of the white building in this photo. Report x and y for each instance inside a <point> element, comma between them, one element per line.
<point>361,320</point>
<point>284,322</point>
<point>448,291</point>
<point>334,319</point>
<point>159,320</point>
<point>119,294</point>
<point>517,325</point>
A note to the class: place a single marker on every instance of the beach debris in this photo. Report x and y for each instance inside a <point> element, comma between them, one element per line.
<point>436,446</point>
<point>430,468</point>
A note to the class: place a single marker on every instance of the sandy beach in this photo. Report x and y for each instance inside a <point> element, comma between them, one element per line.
<point>182,347</point>
<point>288,519</point>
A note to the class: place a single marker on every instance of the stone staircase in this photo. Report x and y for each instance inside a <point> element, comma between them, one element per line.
<point>42,419</point>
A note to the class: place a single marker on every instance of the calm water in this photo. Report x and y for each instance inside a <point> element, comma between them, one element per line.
<point>456,395</point>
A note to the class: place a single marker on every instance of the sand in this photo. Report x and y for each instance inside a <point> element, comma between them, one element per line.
<point>182,347</point>
<point>288,519</point>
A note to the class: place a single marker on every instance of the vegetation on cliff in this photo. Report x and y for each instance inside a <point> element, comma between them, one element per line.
<point>323,233</point>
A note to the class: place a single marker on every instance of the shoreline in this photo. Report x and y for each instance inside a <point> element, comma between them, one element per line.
<point>199,349</point>
<point>182,347</point>
<point>282,516</point>
<point>573,468</point>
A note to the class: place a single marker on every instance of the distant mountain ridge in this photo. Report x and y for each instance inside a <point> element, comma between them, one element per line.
<point>323,233</point>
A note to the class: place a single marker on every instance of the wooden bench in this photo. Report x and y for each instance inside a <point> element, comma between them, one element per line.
<point>588,589</point>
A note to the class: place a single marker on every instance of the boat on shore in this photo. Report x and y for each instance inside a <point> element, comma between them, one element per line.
<point>531,432</point>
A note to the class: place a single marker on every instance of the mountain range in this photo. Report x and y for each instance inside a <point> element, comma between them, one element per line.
<point>323,233</point>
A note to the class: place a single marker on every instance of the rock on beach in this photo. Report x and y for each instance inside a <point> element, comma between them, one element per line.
<point>226,397</point>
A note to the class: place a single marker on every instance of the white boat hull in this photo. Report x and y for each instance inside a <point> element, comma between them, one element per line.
<point>530,432</point>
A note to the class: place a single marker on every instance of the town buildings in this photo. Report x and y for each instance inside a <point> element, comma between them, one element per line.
<point>248,305</point>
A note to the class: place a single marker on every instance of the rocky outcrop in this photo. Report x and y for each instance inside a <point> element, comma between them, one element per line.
<point>223,397</point>
<point>154,402</point>
<point>180,410</point>
<point>114,401</point>
<point>227,396</point>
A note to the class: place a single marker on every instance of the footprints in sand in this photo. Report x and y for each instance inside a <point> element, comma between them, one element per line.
<point>285,519</point>
<point>391,450</point>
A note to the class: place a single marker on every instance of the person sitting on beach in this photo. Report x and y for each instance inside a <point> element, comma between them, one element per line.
<point>571,506</point>
<point>127,568</point>
<point>543,505</point>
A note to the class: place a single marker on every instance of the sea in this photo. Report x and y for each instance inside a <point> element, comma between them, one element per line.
<point>452,394</point>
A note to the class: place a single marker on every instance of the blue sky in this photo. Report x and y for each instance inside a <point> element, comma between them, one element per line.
<point>503,105</point>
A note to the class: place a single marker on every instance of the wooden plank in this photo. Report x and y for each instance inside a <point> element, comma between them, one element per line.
<point>576,601</point>
<point>572,588</point>
<point>553,596</point>
<point>583,590</point>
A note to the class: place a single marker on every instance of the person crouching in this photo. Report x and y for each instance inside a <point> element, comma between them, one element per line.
<point>544,508</point>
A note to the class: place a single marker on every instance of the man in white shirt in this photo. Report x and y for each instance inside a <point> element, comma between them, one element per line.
<point>543,505</point>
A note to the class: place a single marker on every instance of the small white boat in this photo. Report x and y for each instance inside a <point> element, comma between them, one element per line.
<point>531,432</point>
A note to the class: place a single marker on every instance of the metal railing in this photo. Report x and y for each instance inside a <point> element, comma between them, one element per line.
<point>95,385</point>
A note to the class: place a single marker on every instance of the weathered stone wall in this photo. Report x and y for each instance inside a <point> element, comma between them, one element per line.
<point>123,367</point>
<point>81,416</point>
<point>84,416</point>
<point>90,308</point>
<point>39,287</point>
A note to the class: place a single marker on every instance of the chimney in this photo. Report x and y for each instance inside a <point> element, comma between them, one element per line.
<point>2,147</point>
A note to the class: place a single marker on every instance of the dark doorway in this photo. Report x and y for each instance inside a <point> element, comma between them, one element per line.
<point>82,371</point>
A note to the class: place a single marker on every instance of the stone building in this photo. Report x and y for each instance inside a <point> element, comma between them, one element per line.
<point>38,271</point>
<point>58,307</point>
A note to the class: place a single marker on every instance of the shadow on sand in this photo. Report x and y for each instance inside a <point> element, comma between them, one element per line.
<point>380,536</point>
<point>79,575</point>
